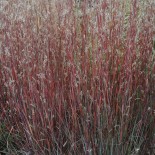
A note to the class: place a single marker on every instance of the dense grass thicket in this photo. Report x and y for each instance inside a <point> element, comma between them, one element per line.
<point>77,77</point>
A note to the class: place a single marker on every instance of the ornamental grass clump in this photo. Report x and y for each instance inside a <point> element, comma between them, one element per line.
<point>78,77</point>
